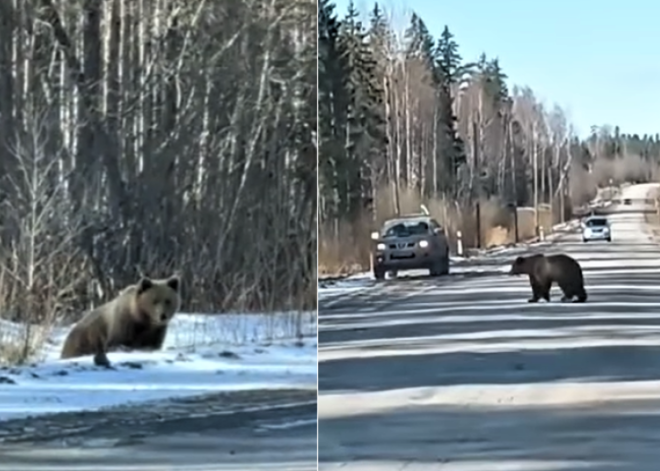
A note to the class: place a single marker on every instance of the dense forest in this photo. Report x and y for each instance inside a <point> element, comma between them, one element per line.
<point>156,137</point>
<point>405,120</point>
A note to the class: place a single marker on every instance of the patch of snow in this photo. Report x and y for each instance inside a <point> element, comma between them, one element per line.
<point>345,285</point>
<point>287,424</point>
<point>202,354</point>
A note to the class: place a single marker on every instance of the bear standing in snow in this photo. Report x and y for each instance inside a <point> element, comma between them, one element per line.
<point>136,319</point>
<point>543,271</point>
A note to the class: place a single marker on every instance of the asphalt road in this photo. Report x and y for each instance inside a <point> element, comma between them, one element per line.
<point>258,430</point>
<point>462,374</point>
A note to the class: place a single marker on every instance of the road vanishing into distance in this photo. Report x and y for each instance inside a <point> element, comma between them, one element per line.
<point>249,430</point>
<point>460,373</point>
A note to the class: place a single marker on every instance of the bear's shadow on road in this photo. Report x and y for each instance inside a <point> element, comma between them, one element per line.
<point>559,437</point>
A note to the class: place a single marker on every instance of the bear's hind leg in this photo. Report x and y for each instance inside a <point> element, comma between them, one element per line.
<point>567,292</point>
<point>581,296</point>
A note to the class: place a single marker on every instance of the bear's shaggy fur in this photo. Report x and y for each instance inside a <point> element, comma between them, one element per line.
<point>544,270</point>
<point>136,319</point>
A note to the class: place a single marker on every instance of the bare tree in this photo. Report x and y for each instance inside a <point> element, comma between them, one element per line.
<point>41,266</point>
<point>179,136</point>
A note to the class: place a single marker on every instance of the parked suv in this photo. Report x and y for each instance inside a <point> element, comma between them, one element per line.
<point>596,228</point>
<point>408,243</point>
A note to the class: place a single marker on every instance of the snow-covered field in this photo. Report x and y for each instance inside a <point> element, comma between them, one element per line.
<point>202,354</point>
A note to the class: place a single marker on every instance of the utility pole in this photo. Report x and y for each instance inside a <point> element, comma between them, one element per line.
<point>477,170</point>
<point>535,157</point>
<point>514,184</point>
<point>564,181</point>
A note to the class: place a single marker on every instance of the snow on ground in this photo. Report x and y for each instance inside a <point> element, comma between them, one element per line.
<point>202,354</point>
<point>345,285</point>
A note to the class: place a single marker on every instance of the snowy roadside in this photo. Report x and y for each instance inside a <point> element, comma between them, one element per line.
<point>202,354</point>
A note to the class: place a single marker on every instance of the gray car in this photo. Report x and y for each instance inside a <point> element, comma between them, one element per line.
<point>409,243</point>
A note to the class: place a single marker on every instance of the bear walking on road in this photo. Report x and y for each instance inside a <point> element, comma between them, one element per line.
<point>543,271</point>
<point>136,319</point>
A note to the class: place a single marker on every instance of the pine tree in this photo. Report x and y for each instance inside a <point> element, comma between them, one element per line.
<point>332,96</point>
<point>364,130</point>
<point>447,57</point>
<point>452,150</point>
<point>495,82</point>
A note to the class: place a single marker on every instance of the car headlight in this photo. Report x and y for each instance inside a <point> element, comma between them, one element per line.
<point>423,244</point>
<point>380,246</point>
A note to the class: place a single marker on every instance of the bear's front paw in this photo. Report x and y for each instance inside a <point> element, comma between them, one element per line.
<point>532,300</point>
<point>100,359</point>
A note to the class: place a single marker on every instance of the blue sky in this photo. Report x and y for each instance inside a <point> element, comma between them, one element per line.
<point>599,60</point>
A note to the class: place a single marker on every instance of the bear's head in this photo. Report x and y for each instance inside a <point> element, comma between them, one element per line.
<point>158,300</point>
<point>519,266</point>
<point>526,265</point>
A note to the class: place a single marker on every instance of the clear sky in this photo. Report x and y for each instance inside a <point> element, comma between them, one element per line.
<point>599,60</point>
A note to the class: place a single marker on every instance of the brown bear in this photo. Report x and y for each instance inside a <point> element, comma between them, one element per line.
<point>543,271</point>
<point>136,319</point>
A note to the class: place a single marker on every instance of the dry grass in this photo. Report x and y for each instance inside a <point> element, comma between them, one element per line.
<point>653,219</point>
<point>21,343</point>
<point>240,329</point>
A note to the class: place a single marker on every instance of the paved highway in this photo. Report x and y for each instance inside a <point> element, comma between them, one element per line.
<point>462,374</point>
<point>252,430</point>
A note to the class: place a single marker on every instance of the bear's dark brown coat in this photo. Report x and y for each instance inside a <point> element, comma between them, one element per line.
<point>543,271</point>
<point>136,319</point>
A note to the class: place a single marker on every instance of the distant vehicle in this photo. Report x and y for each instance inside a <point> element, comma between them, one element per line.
<point>596,228</point>
<point>627,201</point>
<point>410,242</point>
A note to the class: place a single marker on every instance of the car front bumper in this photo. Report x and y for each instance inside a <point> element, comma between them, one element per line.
<point>596,235</point>
<point>412,260</point>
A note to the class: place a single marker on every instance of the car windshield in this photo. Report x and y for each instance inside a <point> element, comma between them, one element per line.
<point>406,229</point>
<point>596,222</point>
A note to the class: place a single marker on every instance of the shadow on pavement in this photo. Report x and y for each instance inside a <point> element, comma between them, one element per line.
<point>603,363</point>
<point>622,437</point>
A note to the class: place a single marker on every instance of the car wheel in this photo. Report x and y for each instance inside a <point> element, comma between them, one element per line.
<point>379,273</point>
<point>437,269</point>
<point>584,240</point>
<point>609,239</point>
<point>445,266</point>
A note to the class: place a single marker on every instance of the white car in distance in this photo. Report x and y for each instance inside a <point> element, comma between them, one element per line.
<point>596,228</point>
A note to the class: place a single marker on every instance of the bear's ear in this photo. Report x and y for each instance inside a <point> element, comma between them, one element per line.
<point>174,282</point>
<point>144,284</point>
